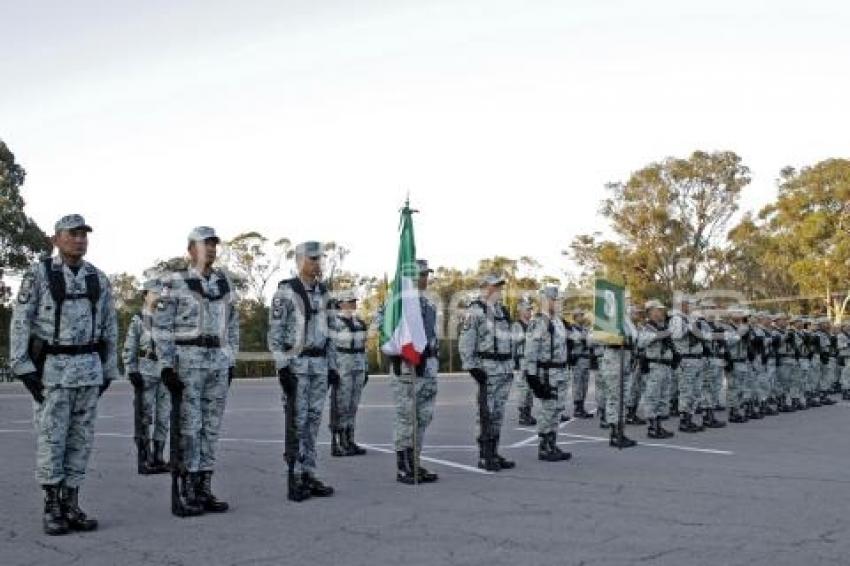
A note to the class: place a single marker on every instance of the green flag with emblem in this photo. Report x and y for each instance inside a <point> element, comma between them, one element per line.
<point>609,311</point>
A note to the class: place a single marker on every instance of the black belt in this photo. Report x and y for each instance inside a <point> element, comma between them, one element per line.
<point>691,356</point>
<point>585,355</point>
<point>148,355</point>
<point>351,350</point>
<point>496,357</point>
<point>72,350</point>
<point>657,361</point>
<point>313,353</point>
<point>552,365</point>
<point>205,341</point>
<point>739,360</point>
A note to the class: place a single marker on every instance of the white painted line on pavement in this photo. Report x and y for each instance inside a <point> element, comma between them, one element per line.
<point>655,444</point>
<point>447,463</point>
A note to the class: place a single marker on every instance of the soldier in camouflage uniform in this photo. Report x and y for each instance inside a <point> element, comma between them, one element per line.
<point>826,361</point>
<point>608,379</point>
<point>350,346</point>
<point>301,320</point>
<point>654,339</point>
<point>486,352</point>
<point>741,382</point>
<point>689,373</point>
<point>196,336</point>
<point>761,364</point>
<point>63,348</point>
<point>142,366</point>
<point>525,398</point>
<point>843,346</point>
<point>415,391</point>
<point>805,353</point>
<point>581,353</point>
<point>785,348</point>
<point>546,370</point>
<point>634,385</point>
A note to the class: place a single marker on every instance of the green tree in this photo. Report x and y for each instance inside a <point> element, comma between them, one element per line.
<point>668,218</point>
<point>21,240</point>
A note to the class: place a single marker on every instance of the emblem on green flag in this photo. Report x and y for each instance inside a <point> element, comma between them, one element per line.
<point>609,307</point>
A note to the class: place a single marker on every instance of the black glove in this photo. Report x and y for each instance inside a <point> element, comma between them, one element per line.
<point>288,380</point>
<point>229,375</point>
<point>136,379</point>
<point>539,389</point>
<point>170,379</point>
<point>365,379</point>
<point>333,378</point>
<point>478,375</point>
<point>104,386</point>
<point>34,385</point>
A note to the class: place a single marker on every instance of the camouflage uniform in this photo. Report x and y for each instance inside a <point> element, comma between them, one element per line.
<point>525,399</point>
<point>140,357</point>
<point>581,352</point>
<point>546,358</point>
<point>301,321</point>
<point>64,422</point>
<point>486,343</point>
<point>689,375</point>
<point>609,373</point>
<point>196,333</point>
<point>654,338</point>
<point>350,346</point>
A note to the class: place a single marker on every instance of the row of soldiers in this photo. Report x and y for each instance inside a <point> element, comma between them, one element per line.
<point>181,350</point>
<point>676,362</point>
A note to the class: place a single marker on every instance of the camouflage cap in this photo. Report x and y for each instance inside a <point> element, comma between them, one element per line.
<point>154,285</point>
<point>311,249</point>
<point>492,279</point>
<point>202,234</point>
<point>524,304</point>
<point>346,296</point>
<point>422,264</point>
<point>654,304</point>
<point>71,222</point>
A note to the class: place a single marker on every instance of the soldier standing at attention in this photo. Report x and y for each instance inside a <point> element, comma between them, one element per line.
<point>63,338</point>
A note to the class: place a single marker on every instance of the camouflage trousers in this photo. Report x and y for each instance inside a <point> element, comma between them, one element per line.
<point>788,380</point>
<point>760,381</point>
<point>845,375</point>
<point>822,376</point>
<point>580,379</point>
<point>348,396</point>
<point>549,414</point>
<point>805,381</point>
<point>689,378</point>
<point>410,407</point>
<point>738,384</point>
<point>654,403</point>
<point>608,378</point>
<point>712,382</point>
<point>156,408</point>
<point>310,396</point>
<point>524,397</point>
<point>636,385</point>
<point>498,390</point>
<point>601,386</point>
<point>201,412</point>
<point>64,425</point>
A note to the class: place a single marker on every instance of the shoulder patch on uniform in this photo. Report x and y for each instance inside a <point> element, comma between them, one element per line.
<point>277,313</point>
<point>160,305</point>
<point>277,302</point>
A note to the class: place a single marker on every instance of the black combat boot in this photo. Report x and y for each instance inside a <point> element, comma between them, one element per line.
<point>603,420</point>
<point>632,417</point>
<point>525,418</point>
<point>351,447</point>
<point>503,463</point>
<point>752,413</point>
<point>206,498</point>
<point>565,418</point>
<point>674,406</point>
<point>579,412</point>
<point>159,465</point>
<point>54,521</point>
<point>735,416</point>
<point>558,454</point>
<point>767,410</point>
<point>798,405</point>
<point>186,504</point>
<point>338,443</point>
<point>710,421</point>
<point>825,399</point>
<point>686,424</point>
<point>404,468</point>
<point>423,475</point>
<point>619,438</point>
<point>812,400</point>
<point>143,455</point>
<point>656,430</point>
<point>76,517</point>
<point>544,453</point>
<point>317,488</point>
<point>485,461</point>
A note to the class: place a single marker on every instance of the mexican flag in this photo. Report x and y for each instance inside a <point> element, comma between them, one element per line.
<point>402,331</point>
<point>609,311</point>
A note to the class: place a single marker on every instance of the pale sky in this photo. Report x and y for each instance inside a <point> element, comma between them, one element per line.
<point>313,119</point>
